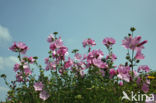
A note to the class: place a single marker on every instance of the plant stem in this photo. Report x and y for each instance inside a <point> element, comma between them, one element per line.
<point>19,56</point>
<point>132,61</point>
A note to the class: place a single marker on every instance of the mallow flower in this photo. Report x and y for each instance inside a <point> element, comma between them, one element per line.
<point>88,42</point>
<point>27,70</point>
<point>121,83</point>
<point>62,51</point>
<point>145,88</point>
<point>139,55</point>
<point>38,86</point>
<point>109,42</point>
<point>78,56</point>
<point>50,38</point>
<point>94,58</point>
<point>68,63</point>
<point>113,57</point>
<point>16,67</point>
<point>144,68</point>
<point>44,95</point>
<point>19,77</point>
<point>112,72</point>
<point>123,73</point>
<point>19,47</point>
<point>133,43</point>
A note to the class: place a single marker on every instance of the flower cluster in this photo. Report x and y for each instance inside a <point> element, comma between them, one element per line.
<point>70,76</point>
<point>134,43</point>
<point>38,86</point>
<point>94,57</point>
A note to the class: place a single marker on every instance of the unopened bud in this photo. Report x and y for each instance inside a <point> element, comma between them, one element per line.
<point>132,29</point>
<point>137,61</point>
<point>129,34</point>
<point>126,64</point>
<point>127,57</point>
<point>3,76</point>
<point>55,33</point>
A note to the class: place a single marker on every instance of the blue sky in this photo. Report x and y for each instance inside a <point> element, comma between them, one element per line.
<point>31,21</point>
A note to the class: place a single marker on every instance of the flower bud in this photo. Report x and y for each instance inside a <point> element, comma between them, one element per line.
<point>127,57</point>
<point>137,61</point>
<point>55,33</point>
<point>75,51</point>
<point>126,64</point>
<point>3,76</point>
<point>129,34</point>
<point>132,29</point>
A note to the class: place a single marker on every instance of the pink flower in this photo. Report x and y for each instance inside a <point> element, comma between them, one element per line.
<point>145,88</point>
<point>51,65</point>
<point>81,65</point>
<point>138,80</point>
<point>121,83</point>
<point>62,50</point>
<point>52,46</point>
<point>112,72</point>
<point>56,44</point>
<point>130,42</point>
<point>84,56</point>
<point>133,43</point>
<point>19,77</point>
<point>46,60</point>
<point>135,73</point>
<point>108,42</point>
<point>112,57</point>
<point>68,63</point>
<point>139,55</point>
<point>94,57</point>
<point>38,86</point>
<point>19,47</point>
<point>102,73</point>
<point>142,43</point>
<point>54,54</point>
<point>50,38</point>
<point>148,81</point>
<point>61,71</point>
<point>123,73</point>
<point>78,56</point>
<point>44,95</point>
<point>31,59</point>
<point>28,59</point>
<point>16,67</point>
<point>47,68</point>
<point>27,70</point>
<point>143,68</point>
<point>98,54</point>
<point>59,42</point>
<point>88,42</point>
<point>99,63</point>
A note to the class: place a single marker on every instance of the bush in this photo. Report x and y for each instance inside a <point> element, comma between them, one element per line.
<point>88,78</point>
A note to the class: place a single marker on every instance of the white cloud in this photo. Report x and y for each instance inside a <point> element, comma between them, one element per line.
<point>4,34</point>
<point>8,62</point>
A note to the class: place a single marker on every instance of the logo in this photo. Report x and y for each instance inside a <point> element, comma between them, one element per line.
<point>138,97</point>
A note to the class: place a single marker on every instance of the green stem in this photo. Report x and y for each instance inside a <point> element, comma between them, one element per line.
<point>19,56</point>
<point>132,61</point>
